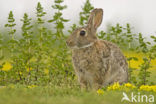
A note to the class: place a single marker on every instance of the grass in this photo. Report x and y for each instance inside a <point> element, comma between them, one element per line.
<point>20,94</point>
<point>53,94</point>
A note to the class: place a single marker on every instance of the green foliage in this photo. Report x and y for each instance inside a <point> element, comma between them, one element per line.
<point>131,70</point>
<point>60,59</point>
<point>26,50</point>
<point>40,13</point>
<point>84,15</point>
<point>149,53</point>
<point>12,44</point>
<point>73,27</point>
<point>58,17</point>
<point>11,24</point>
<point>121,36</point>
<point>40,45</point>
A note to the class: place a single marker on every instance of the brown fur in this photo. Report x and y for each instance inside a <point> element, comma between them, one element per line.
<point>96,62</point>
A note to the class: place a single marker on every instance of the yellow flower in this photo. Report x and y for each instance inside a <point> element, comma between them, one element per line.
<point>32,86</point>
<point>129,85</point>
<point>7,66</point>
<point>144,88</point>
<point>46,71</point>
<point>115,86</point>
<point>148,88</point>
<point>28,69</point>
<point>100,91</point>
<point>153,88</point>
<point>135,64</point>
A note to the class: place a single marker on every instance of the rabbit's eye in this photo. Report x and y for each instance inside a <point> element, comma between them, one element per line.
<point>82,33</point>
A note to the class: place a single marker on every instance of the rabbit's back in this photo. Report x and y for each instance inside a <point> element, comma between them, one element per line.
<point>100,64</point>
<point>119,66</point>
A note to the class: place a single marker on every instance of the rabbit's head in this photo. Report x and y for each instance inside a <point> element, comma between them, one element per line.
<point>86,36</point>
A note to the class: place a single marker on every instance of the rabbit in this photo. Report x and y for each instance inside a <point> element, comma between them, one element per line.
<point>97,63</point>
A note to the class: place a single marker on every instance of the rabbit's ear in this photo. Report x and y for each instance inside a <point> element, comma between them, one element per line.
<point>95,18</point>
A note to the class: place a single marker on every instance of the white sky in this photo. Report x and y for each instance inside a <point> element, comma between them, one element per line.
<point>141,14</point>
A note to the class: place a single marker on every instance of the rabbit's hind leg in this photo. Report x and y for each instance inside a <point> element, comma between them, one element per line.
<point>121,78</point>
<point>97,82</point>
